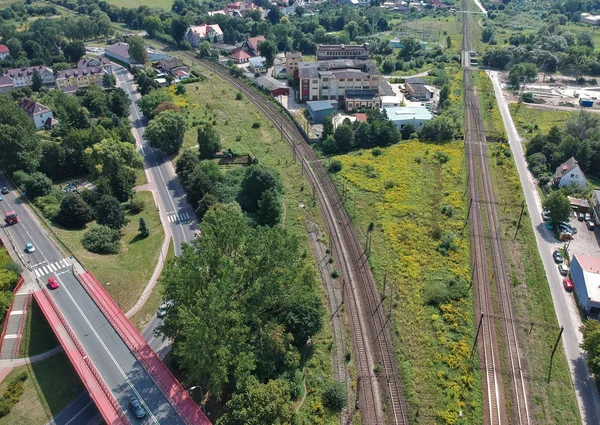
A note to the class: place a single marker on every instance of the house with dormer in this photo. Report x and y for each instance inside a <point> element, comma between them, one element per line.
<point>569,173</point>
<point>205,32</point>
<point>41,116</point>
<point>23,77</point>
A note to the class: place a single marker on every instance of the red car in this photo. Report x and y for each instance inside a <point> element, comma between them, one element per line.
<point>52,283</point>
<point>568,284</point>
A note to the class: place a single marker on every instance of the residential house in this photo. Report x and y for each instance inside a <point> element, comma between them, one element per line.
<point>79,78</point>
<point>569,173</point>
<point>251,45</point>
<point>402,115</point>
<point>360,99</point>
<point>22,77</point>
<point>588,18</point>
<point>6,84</point>
<point>319,109</point>
<point>4,52</point>
<point>257,65</point>
<point>330,80</point>
<point>173,66</point>
<point>416,88</point>
<point>595,205</point>
<point>342,51</point>
<point>292,59</point>
<point>120,52</point>
<point>99,61</point>
<point>585,274</point>
<point>41,116</point>
<point>205,32</point>
<point>239,56</point>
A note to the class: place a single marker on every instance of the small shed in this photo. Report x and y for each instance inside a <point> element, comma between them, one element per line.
<point>586,102</point>
<point>580,205</point>
<point>319,109</point>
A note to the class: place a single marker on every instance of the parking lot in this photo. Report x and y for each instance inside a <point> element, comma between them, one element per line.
<point>585,242</point>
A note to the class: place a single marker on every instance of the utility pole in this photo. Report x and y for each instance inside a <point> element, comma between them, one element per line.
<point>477,334</point>
<point>553,351</point>
<point>520,217</point>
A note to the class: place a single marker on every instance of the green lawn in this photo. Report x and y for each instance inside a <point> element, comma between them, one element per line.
<point>38,337</point>
<point>51,385</point>
<point>133,4</point>
<point>130,270</point>
<point>527,117</point>
<point>554,402</point>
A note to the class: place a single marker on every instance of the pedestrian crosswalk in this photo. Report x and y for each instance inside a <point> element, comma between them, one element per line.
<point>175,217</point>
<point>44,268</point>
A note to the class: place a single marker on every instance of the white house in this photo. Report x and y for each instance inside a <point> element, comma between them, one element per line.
<point>197,34</point>
<point>40,115</point>
<point>569,173</point>
<point>22,77</point>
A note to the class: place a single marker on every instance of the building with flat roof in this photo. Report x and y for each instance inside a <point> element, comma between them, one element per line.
<point>585,274</point>
<point>120,52</point>
<point>402,115</point>
<point>416,88</point>
<point>588,18</point>
<point>319,109</point>
<point>342,51</point>
<point>360,99</point>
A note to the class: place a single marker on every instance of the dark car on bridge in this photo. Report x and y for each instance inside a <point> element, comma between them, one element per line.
<point>136,407</point>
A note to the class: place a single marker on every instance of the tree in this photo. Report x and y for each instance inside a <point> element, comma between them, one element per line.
<point>36,81</point>
<point>258,179</point>
<point>180,89</point>
<point>487,33</point>
<point>268,50</point>
<point>74,212</point>
<point>344,138</point>
<point>19,144</point>
<point>149,102</point>
<point>558,206</point>
<point>74,51</point>
<point>110,212</point>
<point>409,47</point>
<point>408,130</point>
<point>143,228</point>
<point>35,184</point>
<point>209,141</point>
<point>119,102</point>
<point>102,240</point>
<point>335,396</point>
<point>205,51</point>
<point>591,344</point>
<point>444,93</point>
<point>166,131</point>
<point>335,166</point>
<point>327,127</point>
<point>206,203</point>
<point>137,49</point>
<point>448,42</point>
<point>269,208</point>
<point>352,29</point>
<point>15,47</point>
<point>274,14</point>
<point>586,39</point>
<point>197,186</point>
<point>439,129</point>
<point>185,166</point>
<point>152,25</point>
<point>108,81</point>
<point>260,404</point>
<point>522,73</point>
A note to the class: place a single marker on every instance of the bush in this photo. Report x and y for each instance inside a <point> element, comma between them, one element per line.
<point>102,240</point>
<point>49,205</point>
<point>239,96</point>
<point>136,205</point>
<point>447,245</point>
<point>335,396</point>
<point>442,157</point>
<point>255,124</point>
<point>335,166</point>
<point>376,152</point>
<point>389,184</point>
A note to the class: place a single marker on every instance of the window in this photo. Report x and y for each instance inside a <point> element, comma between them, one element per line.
<point>572,175</point>
<point>315,81</point>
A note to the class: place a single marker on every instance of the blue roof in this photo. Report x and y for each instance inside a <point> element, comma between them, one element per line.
<point>397,113</point>
<point>257,61</point>
<point>319,105</point>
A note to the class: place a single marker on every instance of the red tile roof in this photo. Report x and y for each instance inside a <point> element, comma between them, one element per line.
<point>240,55</point>
<point>4,49</point>
<point>361,117</point>
<point>253,41</point>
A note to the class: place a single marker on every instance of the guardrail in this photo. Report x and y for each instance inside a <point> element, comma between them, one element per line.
<point>142,351</point>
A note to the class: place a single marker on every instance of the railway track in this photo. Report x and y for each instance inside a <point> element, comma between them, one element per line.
<point>371,337</point>
<point>480,187</point>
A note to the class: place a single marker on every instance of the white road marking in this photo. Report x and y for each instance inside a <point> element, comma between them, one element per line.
<point>15,312</point>
<point>11,336</point>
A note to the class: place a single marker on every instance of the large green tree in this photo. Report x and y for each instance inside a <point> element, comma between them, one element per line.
<point>137,49</point>
<point>209,141</point>
<point>166,131</point>
<point>591,344</point>
<point>268,50</point>
<point>110,212</point>
<point>149,102</point>
<point>558,206</point>
<point>19,144</point>
<point>258,179</point>
<point>74,212</point>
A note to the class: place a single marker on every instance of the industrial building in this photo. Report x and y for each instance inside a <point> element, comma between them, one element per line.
<point>342,51</point>
<point>319,109</point>
<point>402,115</point>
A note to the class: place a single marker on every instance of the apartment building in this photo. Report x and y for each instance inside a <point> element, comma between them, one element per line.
<point>79,77</point>
<point>292,59</point>
<point>332,80</point>
<point>342,51</point>
<point>22,77</point>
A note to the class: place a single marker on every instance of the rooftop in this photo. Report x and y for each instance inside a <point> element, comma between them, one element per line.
<point>31,107</point>
<point>565,167</point>
<point>397,113</point>
<point>97,61</point>
<point>591,274</point>
<point>203,30</point>
<point>79,72</point>
<point>240,55</point>
<point>362,94</point>
<point>254,41</point>
<point>270,83</point>
<point>319,105</point>
<point>3,49</point>
<point>257,61</point>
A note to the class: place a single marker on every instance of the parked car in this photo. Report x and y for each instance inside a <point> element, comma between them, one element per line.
<point>549,225</point>
<point>4,190</point>
<point>546,215</point>
<point>568,284</point>
<point>164,307</point>
<point>588,217</point>
<point>29,248</point>
<point>52,283</point>
<point>580,216</point>
<point>558,258</point>
<point>562,269</point>
<point>567,227</point>
<point>1,198</point>
<point>590,225</point>
<point>136,408</point>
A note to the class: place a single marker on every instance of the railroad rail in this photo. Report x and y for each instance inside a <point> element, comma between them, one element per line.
<point>481,187</point>
<point>371,337</point>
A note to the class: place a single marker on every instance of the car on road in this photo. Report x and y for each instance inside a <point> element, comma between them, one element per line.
<point>563,270</point>
<point>558,258</point>
<point>136,408</point>
<point>164,307</point>
<point>590,225</point>
<point>4,191</point>
<point>29,248</point>
<point>580,216</point>
<point>568,284</point>
<point>52,283</point>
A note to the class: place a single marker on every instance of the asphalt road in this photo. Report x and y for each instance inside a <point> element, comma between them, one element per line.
<point>123,374</point>
<point>564,303</point>
<point>173,204</point>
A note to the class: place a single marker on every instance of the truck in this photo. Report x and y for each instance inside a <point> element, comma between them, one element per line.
<point>11,217</point>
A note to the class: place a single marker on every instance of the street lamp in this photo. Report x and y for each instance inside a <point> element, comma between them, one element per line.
<point>201,396</point>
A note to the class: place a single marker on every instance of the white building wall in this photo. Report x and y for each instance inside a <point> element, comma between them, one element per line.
<point>575,176</point>
<point>40,119</point>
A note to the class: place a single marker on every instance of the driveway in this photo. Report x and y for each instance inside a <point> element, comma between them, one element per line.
<point>585,242</point>
<point>586,393</point>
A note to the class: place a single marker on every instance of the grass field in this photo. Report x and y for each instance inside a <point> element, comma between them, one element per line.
<point>129,271</point>
<point>49,388</point>
<point>433,338</point>
<point>439,27</point>
<point>38,337</point>
<point>554,401</point>
<point>527,117</point>
<point>133,4</point>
